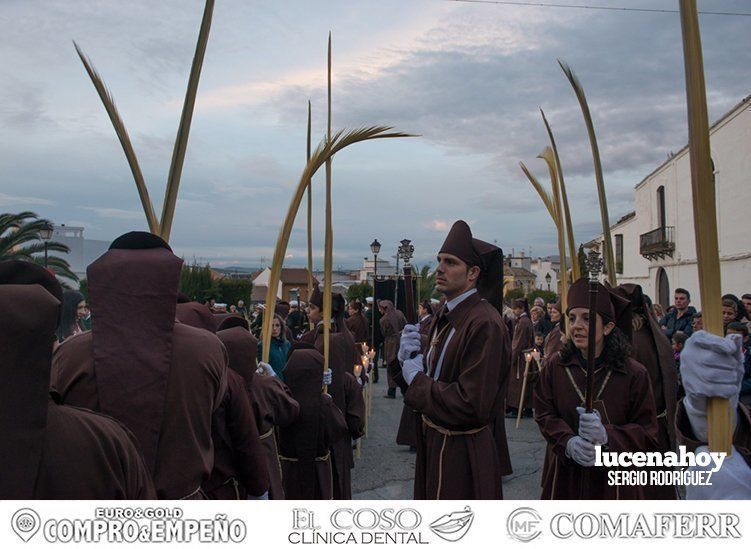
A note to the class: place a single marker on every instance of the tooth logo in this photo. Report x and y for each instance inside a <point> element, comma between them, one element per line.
<point>25,523</point>
<point>454,526</point>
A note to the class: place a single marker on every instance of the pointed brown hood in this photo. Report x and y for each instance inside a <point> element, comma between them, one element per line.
<point>476,252</point>
<point>611,307</point>
<point>242,350</point>
<point>133,294</point>
<point>197,315</point>
<point>30,303</point>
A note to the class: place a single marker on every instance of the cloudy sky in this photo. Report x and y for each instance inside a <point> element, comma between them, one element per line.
<point>467,77</point>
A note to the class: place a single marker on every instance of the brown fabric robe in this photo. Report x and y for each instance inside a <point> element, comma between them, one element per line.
<point>51,451</point>
<point>240,467</point>
<point>275,408</point>
<point>631,423</point>
<point>195,387</point>
<point>305,444</point>
<point>271,401</point>
<point>451,464</point>
<point>411,421</point>
<point>499,422</point>
<point>552,343</point>
<point>524,338</point>
<point>392,323</point>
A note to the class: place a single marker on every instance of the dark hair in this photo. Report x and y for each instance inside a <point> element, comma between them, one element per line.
<point>282,325</point>
<point>680,337</point>
<point>730,303</point>
<point>69,315</point>
<point>738,327</point>
<point>746,296</point>
<point>684,292</point>
<point>616,349</point>
<point>356,305</point>
<point>427,305</point>
<point>740,309</point>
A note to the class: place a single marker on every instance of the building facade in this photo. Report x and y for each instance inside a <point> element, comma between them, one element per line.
<point>654,245</point>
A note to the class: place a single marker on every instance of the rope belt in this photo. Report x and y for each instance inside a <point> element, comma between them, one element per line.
<point>194,493</point>
<point>446,433</point>
<point>662,415</point>
<point>295,460</point>
<point>267,434</point>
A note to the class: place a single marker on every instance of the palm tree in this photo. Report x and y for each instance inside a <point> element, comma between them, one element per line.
<point>20,239</point>
<point>427,283</point>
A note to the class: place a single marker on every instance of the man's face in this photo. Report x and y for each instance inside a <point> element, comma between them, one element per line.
<point>453,277</point>
<point>517,311</point>
<point>681,301</point>
<point>697,324</point>
<point>241,303</point>
<point>351,310</point>
<point>728,314</point>
<point>747,304</point>
<point>314,313</point>
<point>550,309</point>
<point>539,340</point>
<point>538,302</point>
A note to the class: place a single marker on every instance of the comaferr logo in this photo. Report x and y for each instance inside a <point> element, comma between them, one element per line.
<point>524,524</point>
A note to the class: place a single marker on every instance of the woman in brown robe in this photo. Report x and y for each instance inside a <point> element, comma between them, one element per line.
<point>357,323</point>
<point>626,420</point>
<point>304,445</point>
<point>51,451</point>
<point>554,340</point>
<point>523,339</point>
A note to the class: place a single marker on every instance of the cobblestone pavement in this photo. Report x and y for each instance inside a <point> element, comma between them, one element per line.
<point>386,471</point>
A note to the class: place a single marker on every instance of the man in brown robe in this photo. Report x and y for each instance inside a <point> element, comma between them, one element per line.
<point>50,451</point>
<point>625,417</point>
<point>392,322</point>
<point>652,349</point>
<point>457,454</point>
<point>524,339</point>
<point>271,400</point>
<point>305,444</point>
<point>160,378</point>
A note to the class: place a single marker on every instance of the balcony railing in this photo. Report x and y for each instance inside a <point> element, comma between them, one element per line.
<point>657,243</point>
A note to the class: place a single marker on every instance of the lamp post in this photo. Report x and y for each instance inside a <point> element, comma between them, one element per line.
<point>375,247</point>
<point>547,279</point>
<point>45,233</point>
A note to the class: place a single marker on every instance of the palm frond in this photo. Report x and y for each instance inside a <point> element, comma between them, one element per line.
<point>564,198</point>
<point>183,131</point>
<point>544,195</point>
<point>310,208</point>
<point>326,149</point>
<point>605,218</point>
<point>122,135</point>
<point>12,221</point>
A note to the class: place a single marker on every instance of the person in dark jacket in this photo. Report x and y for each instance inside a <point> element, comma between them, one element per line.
<point>680,318</point>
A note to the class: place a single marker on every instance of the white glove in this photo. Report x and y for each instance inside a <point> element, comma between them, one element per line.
<point>411,367</point>
<point>581,451</point>
<point>264,368</point>
<point>409,342</point>
<point>711,366</point>
<point>732,481</point>
<point>327,376</point>
<point>359,380</point>
<point>591,427</point>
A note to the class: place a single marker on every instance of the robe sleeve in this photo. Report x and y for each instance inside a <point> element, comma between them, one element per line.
<point>468,400</point>
<point>249,458</point>
<point>640,434</point>
<point>355,406</point>
<point>284,407</point>
<point>553,427</point>
<point>334,424</point>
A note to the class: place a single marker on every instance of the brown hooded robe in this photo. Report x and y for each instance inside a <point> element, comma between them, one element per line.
<point>50,451</point>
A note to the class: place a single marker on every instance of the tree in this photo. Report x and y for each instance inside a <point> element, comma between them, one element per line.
<point>232,290</point>
<point>359,292</point>
<point>582,257</point>
<point>514,293</point>
<point>546,295</point>
<point>196,282</point>
<point>427,284</point>
<point>20,239</point>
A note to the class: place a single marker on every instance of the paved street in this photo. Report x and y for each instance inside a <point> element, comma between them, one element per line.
<point>386,471</point>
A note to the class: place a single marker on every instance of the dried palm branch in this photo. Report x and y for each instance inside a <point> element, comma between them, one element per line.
<point>705,217</point>
<point>607,239</point>
<point>122,134</point>
<point>564,198</point>
<point>328,248</point>
<point>183,130</point>
<point>310,215</point>
<point>324,151</point>
<point>554,209</point>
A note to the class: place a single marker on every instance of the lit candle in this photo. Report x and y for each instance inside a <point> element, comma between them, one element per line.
<point>358,369</point>
<point>536,354</point>
<point>528,356</point>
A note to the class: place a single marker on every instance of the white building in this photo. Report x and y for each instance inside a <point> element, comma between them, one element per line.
<point>543,267</point>
<point>654,245</point>
<point>83,251</point>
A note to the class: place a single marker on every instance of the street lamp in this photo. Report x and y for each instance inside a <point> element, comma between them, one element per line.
<point>547,279</point>
<point>45,233</point>
<point>375,247</point>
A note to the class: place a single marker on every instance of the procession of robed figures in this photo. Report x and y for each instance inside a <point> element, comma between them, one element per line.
<point>164,399</point>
